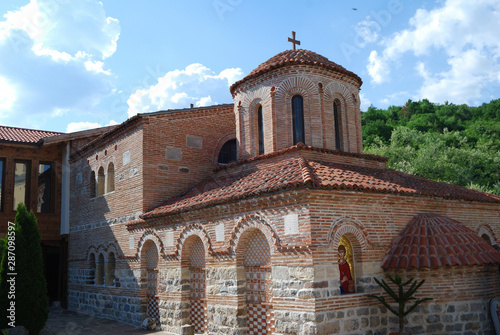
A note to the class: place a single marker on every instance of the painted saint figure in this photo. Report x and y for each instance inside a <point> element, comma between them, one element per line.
<point>345,273</point>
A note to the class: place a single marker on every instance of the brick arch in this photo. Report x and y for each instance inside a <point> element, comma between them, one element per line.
<point>220,144</point>
<point>254,221</point>
<point>101,250</point>
<point>263,93</point>
<point>333,88</point>
<point>111,247</point>
<point>190,230</point>
<point>349,227</point>
<point>91,250</point>
<point>150,235</point>
<point>485,229</point>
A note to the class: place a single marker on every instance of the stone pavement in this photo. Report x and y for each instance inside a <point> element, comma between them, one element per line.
<point>64,322</point>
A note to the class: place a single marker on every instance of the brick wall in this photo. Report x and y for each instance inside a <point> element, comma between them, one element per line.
<point>181,149</point>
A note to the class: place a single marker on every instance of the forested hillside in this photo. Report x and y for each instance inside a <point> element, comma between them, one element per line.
<point>457,144</point>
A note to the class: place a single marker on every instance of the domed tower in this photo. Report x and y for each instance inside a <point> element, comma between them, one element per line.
<point>297,96</point>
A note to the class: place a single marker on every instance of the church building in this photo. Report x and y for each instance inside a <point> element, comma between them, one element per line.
<point>264,216</point>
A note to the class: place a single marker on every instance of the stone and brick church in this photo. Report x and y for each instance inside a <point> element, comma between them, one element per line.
<point>228,219</point>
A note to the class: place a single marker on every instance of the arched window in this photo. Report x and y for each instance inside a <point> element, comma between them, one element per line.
<point>228,152</point>
<point>100,181</point>
<point>298,119</point>
<point>338,128</point>
<point>110,270</point>
<point>110,178</point>
<point>99,273</point>
<point>92,184</point>
<point>487,239</point>
<point>91,275</point>
<point>260,127</point>
<point>346,266</point>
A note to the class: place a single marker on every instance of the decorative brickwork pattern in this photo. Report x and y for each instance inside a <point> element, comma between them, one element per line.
<point>257,259</point>
<point>197,296</point>
<point>153,299</point>
<point>257,319</point>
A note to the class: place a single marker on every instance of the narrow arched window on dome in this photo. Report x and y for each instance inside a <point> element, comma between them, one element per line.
<point>338,128</point>
<point>260,126</point>
<point>298,119</point>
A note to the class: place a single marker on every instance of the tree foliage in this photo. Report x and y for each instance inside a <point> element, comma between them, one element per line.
<point>31,299</point>
<point>456,144</point>
<point>402,296</point>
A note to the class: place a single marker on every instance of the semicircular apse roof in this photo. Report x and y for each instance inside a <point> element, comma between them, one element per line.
<point>432,241</point>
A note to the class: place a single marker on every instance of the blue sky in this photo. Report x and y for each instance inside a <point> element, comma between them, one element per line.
<point>68,65</point>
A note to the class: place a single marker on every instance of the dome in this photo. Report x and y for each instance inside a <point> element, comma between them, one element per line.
<point>431,241</point>
<point>295,57</point>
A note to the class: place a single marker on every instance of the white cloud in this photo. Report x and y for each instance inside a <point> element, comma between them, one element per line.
<point>469,74</point>
<point>464,32</point>
<point>196,84</point>
<point>52,55</point>
<point>366,32</point>
<point>397,99</point>
<point>205,101</point>
<point>365,102</point>
<point>79,126</point>
<point>378,68</point>
<point>7,94</point>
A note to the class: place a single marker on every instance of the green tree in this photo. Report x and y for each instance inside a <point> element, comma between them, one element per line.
<point>404,298</point>
<point>31,299</point>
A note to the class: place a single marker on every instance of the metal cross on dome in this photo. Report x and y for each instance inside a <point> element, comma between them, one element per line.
<point>293,40</point>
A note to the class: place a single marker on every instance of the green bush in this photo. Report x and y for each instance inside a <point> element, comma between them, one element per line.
<point>31,299</point>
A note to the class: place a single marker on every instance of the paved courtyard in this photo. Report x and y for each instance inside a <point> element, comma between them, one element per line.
<point>62,322</point>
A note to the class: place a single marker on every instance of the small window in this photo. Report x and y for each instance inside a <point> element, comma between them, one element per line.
<point>228,152</point>
<point>100,181</point>
<point>298,119</point>
<point>92,185</point>
<point>110,178</point>
<point>110,270</point>
<point>260,126</point>
<point>487,239</point>
<point>99,273</point>
<point>92,267</point>
<point>45,178</point>
<point>338,128</point>
<point>21,184</point>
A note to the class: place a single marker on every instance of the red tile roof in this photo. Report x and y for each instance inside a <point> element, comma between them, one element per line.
<point>431,241</point>
<point>288,169</point>
<point>295,57</point>
<point>22,135</point>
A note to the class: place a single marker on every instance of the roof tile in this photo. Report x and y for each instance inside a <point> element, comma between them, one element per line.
<point>449,243</point>
<point>22,135</point>
<point>289,169</point>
